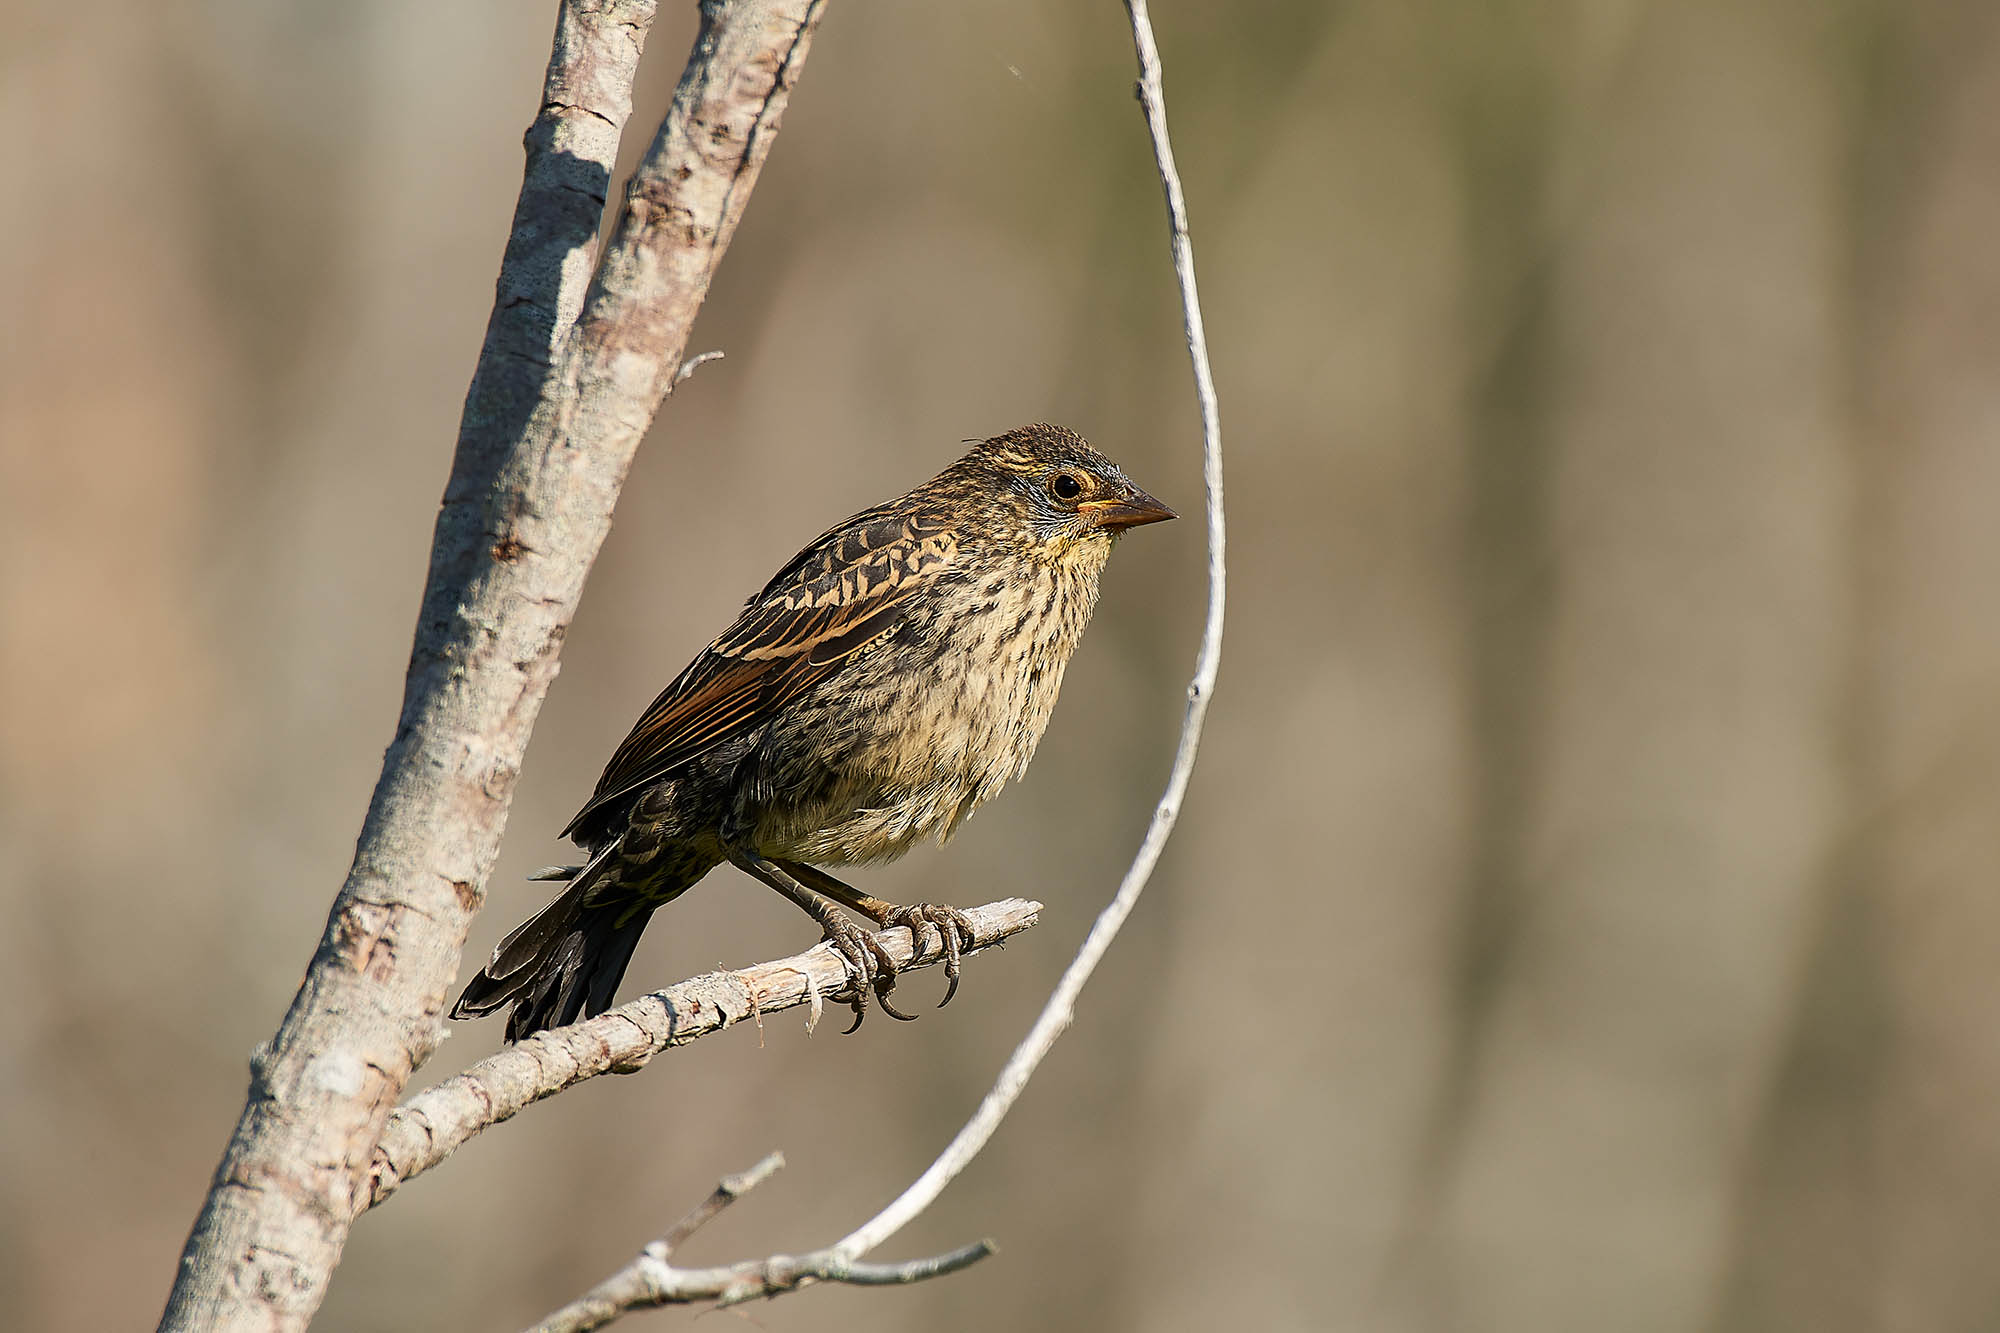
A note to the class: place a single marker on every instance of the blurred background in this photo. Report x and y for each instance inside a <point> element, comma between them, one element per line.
<point>1585,914</point>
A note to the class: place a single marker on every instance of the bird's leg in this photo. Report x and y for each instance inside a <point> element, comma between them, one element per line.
<point>954,928</point>
<point>873,908</point>
<point>869,965</point>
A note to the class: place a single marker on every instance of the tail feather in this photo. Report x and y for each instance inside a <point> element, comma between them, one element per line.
<point>564,962</point>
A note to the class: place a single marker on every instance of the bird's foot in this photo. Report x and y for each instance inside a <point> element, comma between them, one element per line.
<point>954,930</point>
<point>869,968</point>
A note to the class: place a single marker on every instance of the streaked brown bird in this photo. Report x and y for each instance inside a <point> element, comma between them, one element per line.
<point>885,684</point>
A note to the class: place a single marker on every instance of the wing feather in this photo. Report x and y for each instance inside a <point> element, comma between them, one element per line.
<point>845,591</point>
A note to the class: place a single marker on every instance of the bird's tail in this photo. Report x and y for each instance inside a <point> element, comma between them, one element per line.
<point>565,962</point>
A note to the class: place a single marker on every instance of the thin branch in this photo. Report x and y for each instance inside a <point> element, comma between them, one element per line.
<point>571,373</point>
<point>650,1280</point>
<point>727,1191</point>
<point>439,1120</point>
<point>1060,1010</point>
<point>654,1280</point>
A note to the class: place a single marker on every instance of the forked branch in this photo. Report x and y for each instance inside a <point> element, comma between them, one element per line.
<point>651,1279</point>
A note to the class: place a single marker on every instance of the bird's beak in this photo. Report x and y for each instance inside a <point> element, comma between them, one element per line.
<point>1129,510</point>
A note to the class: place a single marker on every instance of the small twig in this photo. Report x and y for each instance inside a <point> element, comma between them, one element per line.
<point>694,363</point>
<point>647,1282</point>
<point>436,1122</point>
<point>727,1191</point>
<point>651,1280</point>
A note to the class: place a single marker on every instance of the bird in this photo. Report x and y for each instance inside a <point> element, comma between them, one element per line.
<point>889,680</point>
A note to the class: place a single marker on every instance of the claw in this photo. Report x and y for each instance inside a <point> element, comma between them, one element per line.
<point>871,967</point>
<point>950,969</point>
<point>954,930</point>
<point>858,949</point>
<point>882,998</point>
<point>884,977</point>
<point>957,937</point>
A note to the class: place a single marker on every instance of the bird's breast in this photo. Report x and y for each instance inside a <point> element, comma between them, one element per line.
<point>920,731</point>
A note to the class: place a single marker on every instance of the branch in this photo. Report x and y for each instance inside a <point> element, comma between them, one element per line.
<point>650,1281</point>
<point>1060,1011</point>
<point>569,377</point>
<point>436,1122</point>
<point>603,1304</point>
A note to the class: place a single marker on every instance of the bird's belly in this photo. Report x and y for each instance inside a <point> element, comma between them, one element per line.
<point>851,831</point>
<point>913,767</point>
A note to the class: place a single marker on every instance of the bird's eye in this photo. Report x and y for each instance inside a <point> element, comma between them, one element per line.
<point>1065,486</point>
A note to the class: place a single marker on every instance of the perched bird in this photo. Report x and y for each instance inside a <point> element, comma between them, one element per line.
<point>886,683</point>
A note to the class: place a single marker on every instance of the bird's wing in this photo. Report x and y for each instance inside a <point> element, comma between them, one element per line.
<point>837,596</point>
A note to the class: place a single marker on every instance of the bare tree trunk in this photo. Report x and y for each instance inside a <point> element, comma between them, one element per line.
<point>569,378</point>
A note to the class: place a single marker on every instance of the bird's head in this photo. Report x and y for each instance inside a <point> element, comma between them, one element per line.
<point>1059,492</point>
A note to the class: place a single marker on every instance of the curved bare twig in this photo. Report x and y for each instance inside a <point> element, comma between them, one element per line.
<point>651,1281</point>
<point>1060,1010</point>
